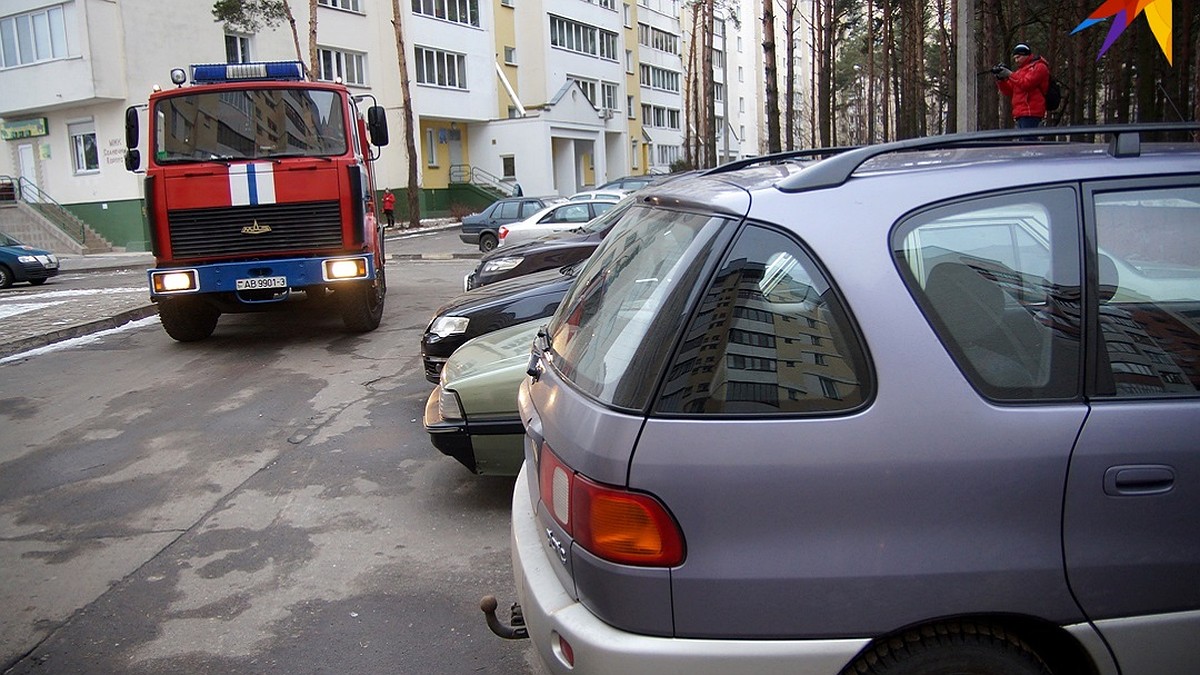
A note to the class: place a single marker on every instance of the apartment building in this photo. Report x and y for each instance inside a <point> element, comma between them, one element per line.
<point>553,95</point>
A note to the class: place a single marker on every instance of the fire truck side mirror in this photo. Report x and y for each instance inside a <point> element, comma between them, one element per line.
<point>377,125</point>
<point>133,159</point>
<point>131,128</point>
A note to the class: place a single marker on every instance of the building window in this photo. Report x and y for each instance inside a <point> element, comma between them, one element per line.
<point>508,165</point>
<point>661,40</point>
<point>608,92</point>
<point>633,153</point>
<point>237,49</point>
<point>84,153</point>
<point>627,12</point>
<point>351,67</point>
<point>430,148</point>
<point>348,5</point>
<point>510,56</point>
<point>35,36</point>
<point>659,78</point>
<point>582,38</point>
<point>457,11</point>
<point>441,69</point>
<point>629,108</point>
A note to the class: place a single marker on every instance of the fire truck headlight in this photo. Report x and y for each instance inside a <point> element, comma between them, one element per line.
<point>174,281</point>
<point>178,76</point>
<point>353,268</point>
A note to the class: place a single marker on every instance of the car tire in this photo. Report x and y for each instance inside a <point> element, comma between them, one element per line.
<point>954,648</point>
<point>188,319</point>
<point>488,242</point>
<point>6,279</point>
<point>362,303</point>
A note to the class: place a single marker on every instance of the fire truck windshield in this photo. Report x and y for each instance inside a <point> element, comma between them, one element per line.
<point>249,124</point>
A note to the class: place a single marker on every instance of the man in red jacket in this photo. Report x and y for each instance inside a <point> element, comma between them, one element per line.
<point>1026,86</point>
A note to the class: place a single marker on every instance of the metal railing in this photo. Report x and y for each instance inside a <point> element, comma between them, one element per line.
<point>49,209</point>
<point>465,173</point>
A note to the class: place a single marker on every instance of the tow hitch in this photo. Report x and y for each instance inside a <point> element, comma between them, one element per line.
<point>515,631</point>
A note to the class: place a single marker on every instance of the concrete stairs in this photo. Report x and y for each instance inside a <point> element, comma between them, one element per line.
<point>46,226</point>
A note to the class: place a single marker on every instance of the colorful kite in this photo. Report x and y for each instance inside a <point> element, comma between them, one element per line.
<point>1158,14</point>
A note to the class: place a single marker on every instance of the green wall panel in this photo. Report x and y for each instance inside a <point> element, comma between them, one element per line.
<point>120,222</point>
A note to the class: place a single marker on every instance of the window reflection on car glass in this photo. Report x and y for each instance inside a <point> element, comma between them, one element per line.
<point>609,333</point>
<point>1149,300</point>
<point>769,337</point>
<point>999,280</point>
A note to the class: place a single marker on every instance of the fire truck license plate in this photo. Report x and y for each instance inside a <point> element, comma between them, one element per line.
<point>260,282</point>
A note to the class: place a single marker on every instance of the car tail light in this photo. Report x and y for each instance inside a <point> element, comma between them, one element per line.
<point>503,232</point>
<point>630,528</point>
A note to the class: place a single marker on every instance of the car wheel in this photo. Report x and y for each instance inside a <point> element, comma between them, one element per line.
<point>188,319</point>
<point>362,303</point>
<point>5,277</point>
<point>487,242</point>
<point>957,648</point>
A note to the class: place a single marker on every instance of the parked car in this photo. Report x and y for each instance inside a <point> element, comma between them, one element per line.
<point>484,310</point>
<point>483,228</point>
<point>608,195</point>
<point>629,183</point>
<point>923,407</point>
<point>552,219</point>
<point>472,413</point>
<point>19,262</point>
<point>548,252</point>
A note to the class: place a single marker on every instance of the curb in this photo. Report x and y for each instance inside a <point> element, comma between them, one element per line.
<point>78,330</point>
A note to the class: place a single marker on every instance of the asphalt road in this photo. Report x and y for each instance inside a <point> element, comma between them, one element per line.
<point>263,501</point>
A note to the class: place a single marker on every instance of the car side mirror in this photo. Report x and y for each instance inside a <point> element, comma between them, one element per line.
<point>377,125</point>
<point>131,128</point>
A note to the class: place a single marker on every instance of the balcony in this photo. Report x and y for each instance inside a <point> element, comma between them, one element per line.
<point>93,71</point>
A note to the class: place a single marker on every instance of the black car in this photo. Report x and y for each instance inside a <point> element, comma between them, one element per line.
<point>488,309</point>
<point>549,252</point>
<point>483,228</point>
<point>19,262</point>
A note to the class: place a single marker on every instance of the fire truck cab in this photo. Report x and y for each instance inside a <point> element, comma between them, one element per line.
<point>259,192</point>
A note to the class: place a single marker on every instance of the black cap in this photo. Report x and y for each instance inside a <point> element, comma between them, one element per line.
<point>1022,49</point>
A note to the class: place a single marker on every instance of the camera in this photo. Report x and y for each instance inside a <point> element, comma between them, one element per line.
<point>999,68</point>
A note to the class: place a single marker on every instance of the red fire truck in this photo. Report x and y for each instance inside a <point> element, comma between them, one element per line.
<point>258,191</point>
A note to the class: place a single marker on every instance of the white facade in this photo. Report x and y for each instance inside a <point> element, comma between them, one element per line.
<point>545,93</point>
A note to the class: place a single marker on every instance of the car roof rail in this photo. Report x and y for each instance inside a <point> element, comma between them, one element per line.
<point>1125,141</point>
<point>776,158</point>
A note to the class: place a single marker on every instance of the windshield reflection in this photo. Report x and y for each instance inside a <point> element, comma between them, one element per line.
<point>249,124</point>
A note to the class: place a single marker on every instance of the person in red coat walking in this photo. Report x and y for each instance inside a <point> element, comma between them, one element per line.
<point>389,207</point>
<point>1026,86</point>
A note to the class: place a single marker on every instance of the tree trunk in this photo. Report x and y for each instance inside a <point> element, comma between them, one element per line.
<point>296,41</point>
<point>789,133</point>
<point>771,95</point>
<point>312,38</point>
<point>410,132</point>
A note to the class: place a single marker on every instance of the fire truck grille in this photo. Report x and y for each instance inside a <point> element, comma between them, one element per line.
<point>197,233</point>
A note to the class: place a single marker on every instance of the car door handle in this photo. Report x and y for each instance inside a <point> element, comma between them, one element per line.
<point>1139,480</point>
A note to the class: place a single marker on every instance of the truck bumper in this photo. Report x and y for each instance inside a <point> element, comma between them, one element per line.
<point>279,275</point>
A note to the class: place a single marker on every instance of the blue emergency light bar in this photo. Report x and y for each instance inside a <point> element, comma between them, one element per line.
<point>214,73</point>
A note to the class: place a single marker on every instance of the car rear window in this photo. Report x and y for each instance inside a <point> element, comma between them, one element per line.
<point>612,332</point>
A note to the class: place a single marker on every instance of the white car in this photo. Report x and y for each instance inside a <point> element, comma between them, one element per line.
<point>553,219</point>
<point>613,195</point>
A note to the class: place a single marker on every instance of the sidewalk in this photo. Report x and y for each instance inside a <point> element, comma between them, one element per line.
<point>36,317</point>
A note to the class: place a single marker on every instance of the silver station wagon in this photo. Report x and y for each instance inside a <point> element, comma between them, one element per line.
<point>924,407</point>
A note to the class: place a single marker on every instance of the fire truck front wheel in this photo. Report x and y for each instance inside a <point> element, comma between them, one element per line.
<point>362,304</point>
<point>187,319</point>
